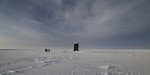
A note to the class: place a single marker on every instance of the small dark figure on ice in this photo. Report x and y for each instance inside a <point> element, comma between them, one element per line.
<point>47,50</point>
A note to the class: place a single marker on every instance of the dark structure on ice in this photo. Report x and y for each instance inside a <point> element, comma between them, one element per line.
<point>76,47</point>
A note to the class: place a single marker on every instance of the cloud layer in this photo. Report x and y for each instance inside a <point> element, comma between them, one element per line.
<point>60,23</point>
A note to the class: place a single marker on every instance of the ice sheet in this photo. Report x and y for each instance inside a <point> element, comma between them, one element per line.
<point>67,62</point>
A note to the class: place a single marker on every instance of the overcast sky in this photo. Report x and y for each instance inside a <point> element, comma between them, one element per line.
<point>60,23</point>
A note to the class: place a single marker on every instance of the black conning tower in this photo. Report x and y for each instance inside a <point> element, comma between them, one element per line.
<point>76,46</point>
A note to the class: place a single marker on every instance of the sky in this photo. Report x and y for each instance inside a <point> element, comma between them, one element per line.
<point>94,24</point>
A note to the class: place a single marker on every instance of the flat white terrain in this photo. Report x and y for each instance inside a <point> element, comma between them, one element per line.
<point>85,62</point>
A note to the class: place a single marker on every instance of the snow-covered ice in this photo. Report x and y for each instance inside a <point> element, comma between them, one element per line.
<point>67,62</point>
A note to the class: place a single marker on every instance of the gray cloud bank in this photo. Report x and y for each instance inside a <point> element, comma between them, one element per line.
<point>60,23</point>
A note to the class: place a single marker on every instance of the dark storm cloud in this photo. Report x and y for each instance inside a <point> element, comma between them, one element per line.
<point>59,23</point>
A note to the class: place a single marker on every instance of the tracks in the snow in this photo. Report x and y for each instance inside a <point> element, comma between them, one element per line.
<point>27,63</point>
<point>86,69</point>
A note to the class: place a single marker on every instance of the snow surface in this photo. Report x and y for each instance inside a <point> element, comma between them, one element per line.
<point>67,62</point>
